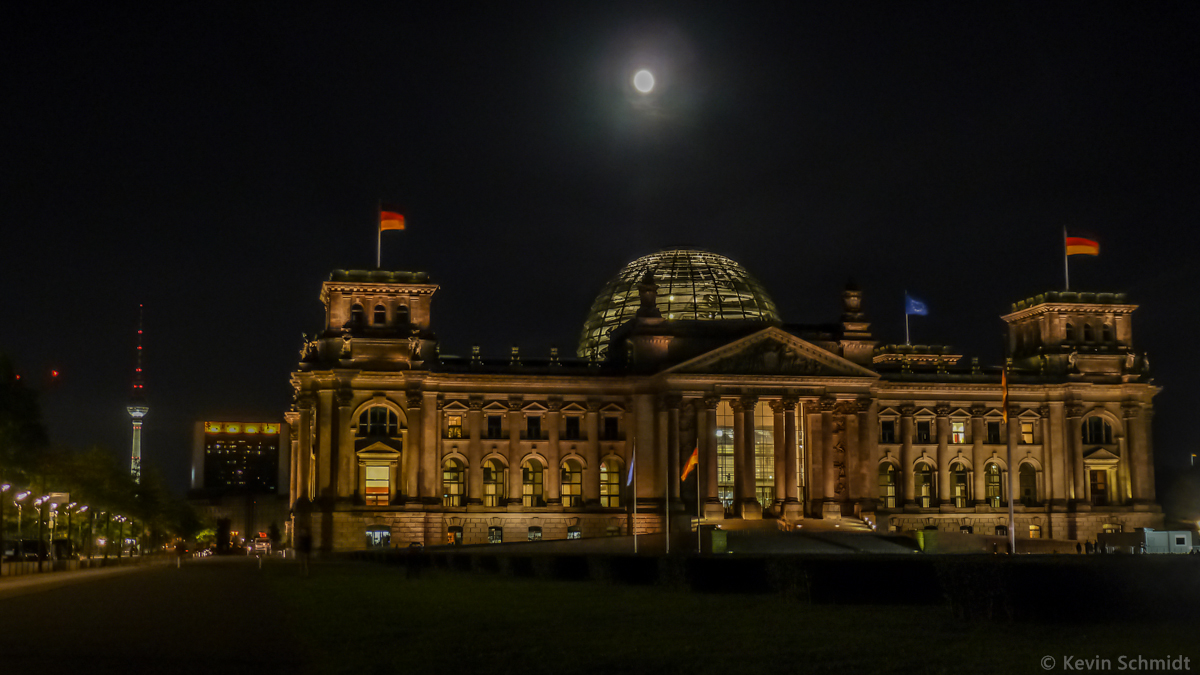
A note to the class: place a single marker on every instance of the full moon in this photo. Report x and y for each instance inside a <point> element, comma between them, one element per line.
<point>643,81</point>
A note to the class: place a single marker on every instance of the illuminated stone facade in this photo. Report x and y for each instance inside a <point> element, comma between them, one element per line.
<point>394,443</point>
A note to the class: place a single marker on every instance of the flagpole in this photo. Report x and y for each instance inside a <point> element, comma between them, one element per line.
<point>378,233</point>
<point>906,338</point>
<point>667,501</point>
<point>633,468</point>
<point>1012,525</point>
<point>1066,268</point>
<point>699,473</point>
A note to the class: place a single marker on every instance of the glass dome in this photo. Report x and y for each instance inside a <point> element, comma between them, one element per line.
<point>691,285</point>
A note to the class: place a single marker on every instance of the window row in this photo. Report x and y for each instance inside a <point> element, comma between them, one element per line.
<point>533,487</point>
<point>571,429</point>
<point>925,488</point>
<point>1096,430</point>
<point>379,316</point>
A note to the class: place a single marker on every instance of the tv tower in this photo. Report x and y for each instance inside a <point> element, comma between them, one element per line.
<point>137,408</point>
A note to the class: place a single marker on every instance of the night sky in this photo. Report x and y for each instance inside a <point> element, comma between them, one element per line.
<point>216,162</point>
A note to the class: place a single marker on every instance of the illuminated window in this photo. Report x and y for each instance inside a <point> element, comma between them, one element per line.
<point>887,431</point>
<point>493,483</point>
<point>454,535</point>
<point>380,315</point>
<point>572,429</point>
<point>379,485</point>
<point>958,431</point>
<point>924,432</point>
<point>725,454</point>
<point>887,485</point>
<point>1028,478</point>
<point>454,426</point>
<point>453,483</point>
<point>992,484</point>
<point>612,428</point>
<point>573,532</point>
<point>535,533</point>
<point>533,427</point>
<point>610,484</point>
<point>379,537</point>
<point>572,484</point>
<point>924,485</point>
<point>213,427</point>
<point>993,433</point>
<point>402,315</point>
<point>532,491</point>
<point>1026,432</point>
<point>1097,430</point>
<point>378,421</point>
<point>1109,528</point>
<point>764,454</point>
<point>494,426</point>
<point>959,484</point>
<point>1099,485</point>
<point>1035,531</point>
<point>495,535</point>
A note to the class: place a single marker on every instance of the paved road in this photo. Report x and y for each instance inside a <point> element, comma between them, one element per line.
<point>212,616</point>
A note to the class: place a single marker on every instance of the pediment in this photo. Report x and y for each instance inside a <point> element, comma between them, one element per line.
<point>772,351</point>
<point>456,406</point>
<point>574,408</point>
<point>959,412</point>
<point>612,408</point>
<point>496,407</point>
<point>994,414</point>
<point>534,407</point>
<point>924,412</point>
<point>1101,455</point>
<point>378,452</point>
<point>1030,414</point>
<point>889,412</point>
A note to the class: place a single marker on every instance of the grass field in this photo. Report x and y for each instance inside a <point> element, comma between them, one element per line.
<point>365,618</point>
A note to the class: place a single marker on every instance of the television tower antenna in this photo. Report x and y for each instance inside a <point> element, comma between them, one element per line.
<point>137,407</point>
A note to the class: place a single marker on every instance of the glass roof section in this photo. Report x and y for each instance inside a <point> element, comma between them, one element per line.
<point>692,285</point>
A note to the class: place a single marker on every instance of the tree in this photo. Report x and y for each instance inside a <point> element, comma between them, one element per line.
<point>21,432</point>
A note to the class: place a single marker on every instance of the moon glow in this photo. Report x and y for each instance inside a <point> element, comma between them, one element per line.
<point>643,81</point>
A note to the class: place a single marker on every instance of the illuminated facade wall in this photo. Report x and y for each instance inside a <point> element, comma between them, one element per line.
<point>393,443</point>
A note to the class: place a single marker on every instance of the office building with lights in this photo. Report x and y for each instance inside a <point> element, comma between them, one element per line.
<point>237,470</point>
<point>393,442</point>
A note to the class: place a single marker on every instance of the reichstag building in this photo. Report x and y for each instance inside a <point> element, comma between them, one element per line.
<point>392,443</point>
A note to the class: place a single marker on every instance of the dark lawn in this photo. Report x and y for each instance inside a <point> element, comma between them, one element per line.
<point>365,618</point>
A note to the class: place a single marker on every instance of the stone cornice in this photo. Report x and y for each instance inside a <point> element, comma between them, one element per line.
<point>1069,308</point>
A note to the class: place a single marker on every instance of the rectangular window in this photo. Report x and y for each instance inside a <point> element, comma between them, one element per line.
<point>379,485</point>
<point>454,426</point>
<point>495,535</point>
<point>1026,433</point>
<point>993,433</point>
<point>612,429</point>
<point>572,431</point>
<point>535,533</point>
<point>887,431</point>
<point>533,427</point>
<point>494,426</point>
<point>1099,481</point>
<point>958,431</point>
<point>924,431</point>
<point>573,532</point>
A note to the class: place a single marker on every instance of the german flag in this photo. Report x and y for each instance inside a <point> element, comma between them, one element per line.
<point>693,462</point>
<point>390,218</point>
<point>1082,246</point>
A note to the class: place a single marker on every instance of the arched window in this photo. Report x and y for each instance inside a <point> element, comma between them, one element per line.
<point>493,483</point>
<point>1028,478</point>
<point>1070,332</point>
<point>453,483</point>
<point>1106,332</point>
<point>924,485</point>
<point>1088,333</point>
<point>887,485</point>
<point>725,454</point>
<point>402,315</point>
<point>764,454</point>
<point>572,483</point>
<point>960,485</point>
<point>378,420</point>
<point>532,490</point>
<point>357,315</point>
<point>610,484</point>
<point>1097,430</point>
<point>379,537</point>
<point>992,482</point>
<point>380,315</point>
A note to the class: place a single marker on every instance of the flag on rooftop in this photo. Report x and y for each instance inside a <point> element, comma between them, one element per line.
<point>1082,246</point>
<point>914,306</point>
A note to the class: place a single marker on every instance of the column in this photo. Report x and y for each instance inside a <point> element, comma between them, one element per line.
<point>326,448</point>
<point>1047,465</point>
<point>943,455</point>
<point>978,432</point>
<point>646,465</point>
<point>430,473</point>
<point>815,451</point>
<point>304,460</point>
<point>1010,456</point>
<point>591,453</point>
<point>515,475</point>
<point>1141,467</point>
<point>553,457</point>
<point>1074,429</point>
<point>412,449</point>
<point>1059,479</point>
<point>792,508</point>
<point>779,468</point>
<point>867,457</point>
<point>673,467</point>
<point>347,462</point>
<point>906,453</point>
<point>293,428</point>
<point>708,459</point>
<point>475,453</point>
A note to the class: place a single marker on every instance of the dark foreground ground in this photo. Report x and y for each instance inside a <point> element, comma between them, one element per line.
<point>227,616</point>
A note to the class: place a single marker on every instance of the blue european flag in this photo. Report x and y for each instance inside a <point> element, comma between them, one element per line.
<point>914,306</point>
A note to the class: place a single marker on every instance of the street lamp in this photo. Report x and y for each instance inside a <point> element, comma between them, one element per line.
<point>3,488</point>
<point>20,496</point>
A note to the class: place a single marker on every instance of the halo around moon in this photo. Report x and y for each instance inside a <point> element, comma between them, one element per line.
<point>643,81</point>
